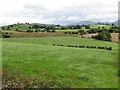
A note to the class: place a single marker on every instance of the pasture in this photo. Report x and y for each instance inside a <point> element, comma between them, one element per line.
<point>21,27</point>
<point>35,62</point>
<point>101,26</point>
<point>69,30</point>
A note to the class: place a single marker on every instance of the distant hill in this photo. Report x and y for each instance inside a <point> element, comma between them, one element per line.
<point>91,22</point>
<point>41,24</point>
<point>84,22</point>
<point>16,27</point>
<point>117,22</point>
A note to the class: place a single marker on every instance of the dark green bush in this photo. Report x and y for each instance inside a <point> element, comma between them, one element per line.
<point>106,36</point>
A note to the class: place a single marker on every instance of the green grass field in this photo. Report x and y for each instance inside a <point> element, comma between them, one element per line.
<point>101,26</point>
<point>69,30</point>
<point>35,62</point>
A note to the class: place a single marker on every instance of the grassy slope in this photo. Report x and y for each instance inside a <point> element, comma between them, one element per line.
<point>69,30</point>
<point>21,27</point>
<point>101,26</point>
<point>71,66</point>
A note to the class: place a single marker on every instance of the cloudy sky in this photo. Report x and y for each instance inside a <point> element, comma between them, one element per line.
<point>57,11</point>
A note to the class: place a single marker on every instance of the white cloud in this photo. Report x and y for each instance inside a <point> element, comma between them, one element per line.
<point>73,18</point>
<point>57,11</point>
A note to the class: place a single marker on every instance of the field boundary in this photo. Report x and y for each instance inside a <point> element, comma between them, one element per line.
<point>82,46</point>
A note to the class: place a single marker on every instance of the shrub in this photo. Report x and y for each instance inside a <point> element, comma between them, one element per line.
<point>87,46</point>
<point>16,29</point>
<point>65,32</point>
<point>29,31</point>
<point>110,48</point>
<point>80,46</point>
<point>106,36</point>
<point>6,32</point>
<point>69,32</point>
<point>81,32</point>
<point>73,32</point>
<point>53,31</point>
<point>53,44</point>
<point>36,30</point>
<point>6,36</point>
<point>76,46</point>
<point>93,46</point>
<point>92,30</point>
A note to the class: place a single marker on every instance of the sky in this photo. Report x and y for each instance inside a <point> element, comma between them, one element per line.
<point>57,11</point>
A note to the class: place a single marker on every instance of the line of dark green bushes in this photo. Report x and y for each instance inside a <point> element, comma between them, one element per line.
<point>82,46</point>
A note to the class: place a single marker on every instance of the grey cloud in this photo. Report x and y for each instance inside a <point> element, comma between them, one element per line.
<point>34,6</point>
<point>37,11</point>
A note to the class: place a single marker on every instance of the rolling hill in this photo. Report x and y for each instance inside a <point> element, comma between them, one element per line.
<point>92,22</point>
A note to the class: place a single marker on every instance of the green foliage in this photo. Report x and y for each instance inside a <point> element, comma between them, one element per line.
<point>92,30</point>
<point>53,31</point>
<point>29,30</point>
<point>87,26</point>
<point>100,26</point>
<point>3,27</point>
<point>106,36</point>
<point>6,36</point>
<point>81,32</point>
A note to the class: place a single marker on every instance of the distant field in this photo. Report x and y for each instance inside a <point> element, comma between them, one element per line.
<point>101,26</point>
<point>69,30</point>
<point>11,31</point>
<point>35,62</point>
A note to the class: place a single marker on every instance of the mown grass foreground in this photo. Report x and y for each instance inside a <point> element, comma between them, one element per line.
<point>35,62</point>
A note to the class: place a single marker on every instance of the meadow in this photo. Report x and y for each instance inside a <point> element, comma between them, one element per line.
<point>101,26</point>
<point>35,62</point>
<point>69,30</point>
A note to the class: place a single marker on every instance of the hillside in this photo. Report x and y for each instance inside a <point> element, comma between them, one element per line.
<point>117,22</point>
<point>100,26</point>
<point>16,27</point>
<point>83,22</point>
<point>92,22</point>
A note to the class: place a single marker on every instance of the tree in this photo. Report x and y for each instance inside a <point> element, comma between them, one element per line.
<point>3,28</point>
<point>8,28</point>
<point>11,26</point>
<point>48,29</point>
<point>81,32</point>
<point>30,27</point>
<point>52,28</point>
<point>113,24</point>
<point>99,27</point>
<point>87,26</point>
<point>16,29</point>
<point>111,30</point>
<point>106,36</point>
<point>35,26</point>
<point>92,30</point>
<point>78,27</point>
